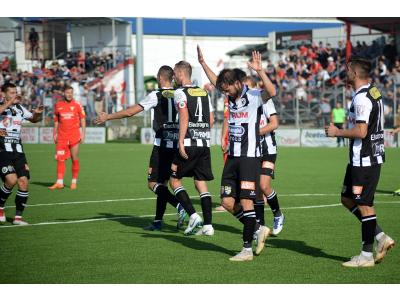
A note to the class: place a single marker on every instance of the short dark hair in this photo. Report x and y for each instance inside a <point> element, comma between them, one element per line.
<point>7,86</point>
<point>240,74</point>
<point>227,76</point>
<point>362,64</point>
<point>68,87</point>
<point>185,66</point>
<point>166,72</point>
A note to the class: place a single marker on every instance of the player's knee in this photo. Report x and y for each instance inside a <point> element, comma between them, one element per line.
<point>11,181</point>
<point>23,183</point>
<point>174,183</point>
<point>228,205</point>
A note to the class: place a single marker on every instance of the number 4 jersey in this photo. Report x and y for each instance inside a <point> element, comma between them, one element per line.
<point>199,108</point>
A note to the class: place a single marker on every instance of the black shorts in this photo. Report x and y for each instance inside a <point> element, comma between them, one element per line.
<point>198,165</point>
<point>266,168</point>
<point>13,163</point>
<point>241,177</point>
<point>160,164</point>
<point>367,177</point>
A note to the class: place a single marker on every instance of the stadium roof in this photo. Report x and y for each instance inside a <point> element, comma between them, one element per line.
<point>78,21</point>
<point>386,25</point>
<point>229,27</point>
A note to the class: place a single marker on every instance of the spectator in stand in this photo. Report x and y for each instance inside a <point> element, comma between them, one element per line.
<point>324,113</point>
<point>382,70</point>
<point>99,100</point>
<point>5,65</point>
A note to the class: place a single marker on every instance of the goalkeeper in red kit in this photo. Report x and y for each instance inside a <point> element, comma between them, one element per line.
<point>69,133</point>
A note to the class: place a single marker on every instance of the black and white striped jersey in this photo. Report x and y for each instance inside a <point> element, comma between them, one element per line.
<point>244,123</point>
<point>367,107</point>
<point>11,121</point>
<point>199,108</point>
<point>268,143</point>
<point>165,117</point>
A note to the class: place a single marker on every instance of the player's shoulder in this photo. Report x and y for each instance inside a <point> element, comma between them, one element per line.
<point>166,93</point>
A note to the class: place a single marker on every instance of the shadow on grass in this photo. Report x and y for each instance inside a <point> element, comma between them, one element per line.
<point>40,183</point>
<point>191,242</point>
<point>303,248</point>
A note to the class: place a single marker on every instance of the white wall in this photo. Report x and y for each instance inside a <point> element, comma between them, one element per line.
<point>100,36</point>
<point>167,50</point>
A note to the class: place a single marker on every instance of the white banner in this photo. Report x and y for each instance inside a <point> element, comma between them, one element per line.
<point>288,137</point>
<point>316,138</point>
<point>147,135</point>
<point>95,135</point>
<point>30,135</point>
<point>46,135</point>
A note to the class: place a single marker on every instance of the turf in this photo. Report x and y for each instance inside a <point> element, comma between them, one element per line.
<point>111,246</point>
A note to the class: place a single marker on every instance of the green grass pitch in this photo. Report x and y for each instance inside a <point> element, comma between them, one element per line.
<point>82,238</point>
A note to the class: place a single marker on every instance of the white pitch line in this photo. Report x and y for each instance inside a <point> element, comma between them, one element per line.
<point>152,198</point>
<point>173,214</point>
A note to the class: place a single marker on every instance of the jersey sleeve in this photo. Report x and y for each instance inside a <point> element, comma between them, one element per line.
<point>269,108</point>
<point>26,114</point>
<point>150,101</point>
<point>180,99</point>
<point>362,108</point>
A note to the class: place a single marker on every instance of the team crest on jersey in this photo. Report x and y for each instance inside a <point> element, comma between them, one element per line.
<point>4,170</point>
<point>168,93</point>
<point>7,122</point>
<point>197,92</point>
<point>226,190</point>
<point>72,108</point>
<point>375,93</point>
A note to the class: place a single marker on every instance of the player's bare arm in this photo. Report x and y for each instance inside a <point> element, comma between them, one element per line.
<point>55,132</point>
<point>359,131</point>
<point>224,143</point>
<point>394,130</point>
<point>83,130</point>
<point>126,113</point>
<point>256,65</point>
<point>210,74</point>
<point>271,126</point>
<point>183,126</point>
<point>37,114</point>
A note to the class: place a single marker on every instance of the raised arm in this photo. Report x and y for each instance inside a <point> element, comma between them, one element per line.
<point>126,113</point>
<point>210,74</point>
<point>256,65</point>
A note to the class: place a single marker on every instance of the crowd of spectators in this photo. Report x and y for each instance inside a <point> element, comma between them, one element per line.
<point>44,84</point>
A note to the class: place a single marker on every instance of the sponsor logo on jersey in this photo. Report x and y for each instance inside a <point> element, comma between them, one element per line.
<point>197,92</point>
<point>374,92</point>
<point>240,115</point>
<point>197,134</point>
<point>236,130</point>
<point>357,190</point>
<point>168,93</point>
<point>247,185</point>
